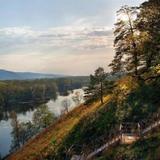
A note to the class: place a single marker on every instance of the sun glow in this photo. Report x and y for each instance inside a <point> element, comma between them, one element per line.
<point>122,17</point>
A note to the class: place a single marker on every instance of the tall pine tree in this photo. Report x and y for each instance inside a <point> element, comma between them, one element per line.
<point>148,24</point>
<point>126,42</point>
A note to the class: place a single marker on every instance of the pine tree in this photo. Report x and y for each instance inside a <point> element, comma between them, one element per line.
<point>126,42</point>
<point>96,88</point>
<point>148,24</point>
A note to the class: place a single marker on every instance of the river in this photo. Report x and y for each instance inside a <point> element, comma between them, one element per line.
<point>54,106</point>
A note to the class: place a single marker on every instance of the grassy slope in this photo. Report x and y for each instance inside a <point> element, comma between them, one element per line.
<point>134,103</point>
<point>42,145</point>
<point>91,132</point>
<point>87,128</point>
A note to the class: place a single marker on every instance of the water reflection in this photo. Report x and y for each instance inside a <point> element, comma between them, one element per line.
<point>25,114</point>
<point>56,106</point>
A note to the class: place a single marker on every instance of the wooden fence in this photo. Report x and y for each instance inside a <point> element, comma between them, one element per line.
<point>137,129</point>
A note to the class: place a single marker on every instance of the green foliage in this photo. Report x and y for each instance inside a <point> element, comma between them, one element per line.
<point>148,22</point>
<point>131,102</point>
<point>70,83</point>
<point>145,149</point>
<point>23,131</point>
<point>16,142</point>
<point>26,94</point>
<point>26,91</point>
<point>98,86</point>
<point>137,52</point>
<point>54,142</point>
<point>90,132</point>
<point>126,41</point>
<point>139,104</point>
<point>42,117</point>
<point>137,40</point>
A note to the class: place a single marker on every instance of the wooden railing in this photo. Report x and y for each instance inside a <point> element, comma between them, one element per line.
<point>108,144</point>
<point>141,131</point>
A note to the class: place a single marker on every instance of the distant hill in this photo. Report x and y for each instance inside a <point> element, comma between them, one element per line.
<point>10,75</point>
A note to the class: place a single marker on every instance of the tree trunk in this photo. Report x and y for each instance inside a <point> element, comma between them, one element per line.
<point>102,93</point>
<point>135,56</point>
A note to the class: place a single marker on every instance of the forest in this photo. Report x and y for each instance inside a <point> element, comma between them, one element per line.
<point>29,91</point>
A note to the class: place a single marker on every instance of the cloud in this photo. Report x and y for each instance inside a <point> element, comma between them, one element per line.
<point>16,31</point>
<point>24,48</point>
<point>71,64</point>
<point>73,36</point>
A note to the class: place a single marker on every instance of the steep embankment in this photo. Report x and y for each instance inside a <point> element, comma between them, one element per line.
<point>131,101</point>
<point>89,127</point>
<point>49,140</point>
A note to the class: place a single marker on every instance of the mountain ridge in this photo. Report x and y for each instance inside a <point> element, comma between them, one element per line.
<point>12,75</point>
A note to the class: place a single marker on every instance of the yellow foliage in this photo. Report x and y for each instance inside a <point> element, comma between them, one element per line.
<point>157,69</point>
<point>127,84</point>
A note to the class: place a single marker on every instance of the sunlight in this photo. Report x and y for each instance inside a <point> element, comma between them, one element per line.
<point>122,17</point>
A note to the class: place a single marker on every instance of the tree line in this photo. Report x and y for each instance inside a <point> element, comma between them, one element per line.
<point>28,91</point>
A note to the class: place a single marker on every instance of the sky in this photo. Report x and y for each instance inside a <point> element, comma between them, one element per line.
<point>71,37</point>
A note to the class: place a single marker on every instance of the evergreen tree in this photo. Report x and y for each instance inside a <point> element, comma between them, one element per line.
<point>148,24</point>
<point>126,42</point>
<point>96,88</point>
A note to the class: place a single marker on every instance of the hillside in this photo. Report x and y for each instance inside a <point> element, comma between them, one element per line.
<point>10,75</point>
<point>88,127</point>
<point>48,141</point>
<point>146,149</point>
<point>131,102</point>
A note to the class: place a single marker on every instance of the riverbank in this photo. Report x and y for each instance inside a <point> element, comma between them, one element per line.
<point>48,141</point>
<point>26,115</point>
